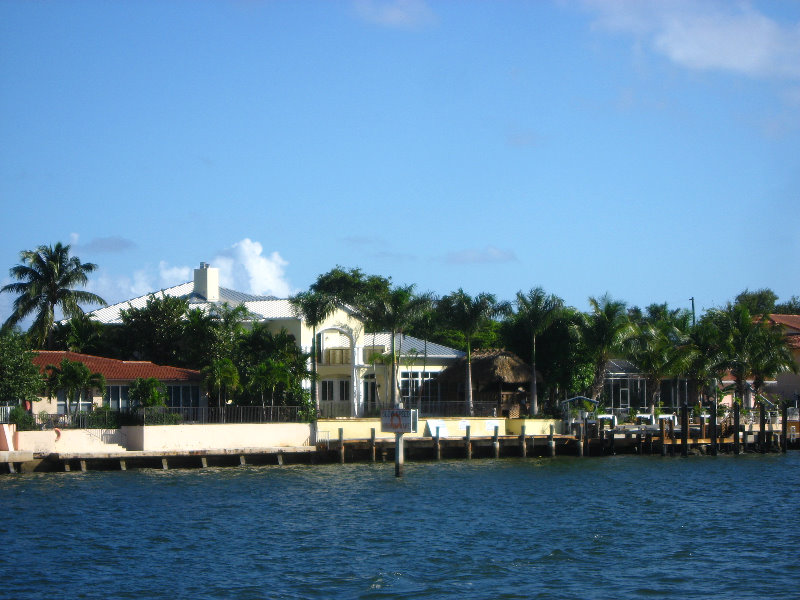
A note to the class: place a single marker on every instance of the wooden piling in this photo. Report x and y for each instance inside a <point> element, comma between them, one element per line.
<point>280,459</point>
<point>468,443</point>
<point>66,466</point>
<point>341,445</point>
<point>242,460</point>
<point>736,434</point>
<point>662,427</point>
<point>684,430</point>
<point>11,468</point>
<point>437,445</point>
<point>203,462</point>
<point>372,444</point>
<point>784,427</point>
<point>713,423</point>
<point>762,434</point>
<point>523,445</point>
<point>164,464</point>
<point>579,441</point>
<point>496,442</point>
<point>672,437</point>
<point>551,442</point>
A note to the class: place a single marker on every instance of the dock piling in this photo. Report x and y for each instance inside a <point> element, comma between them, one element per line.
<point>551,442</point>
<point>496,441</point>
<point>372,444</point>
<point>468,443</point>
<point>341,445</point>
<point>437,445</point>
<point>523,445</point>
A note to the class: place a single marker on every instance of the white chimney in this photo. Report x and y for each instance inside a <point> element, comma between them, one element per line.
<point>206,282</point>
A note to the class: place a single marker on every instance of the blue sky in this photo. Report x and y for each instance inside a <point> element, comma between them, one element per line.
<point>650,150</point>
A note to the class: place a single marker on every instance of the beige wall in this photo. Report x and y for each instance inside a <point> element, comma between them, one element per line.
<point>71,440</point>
<point>354,429</point>
<point>212,437</point>
<point>533,426</point>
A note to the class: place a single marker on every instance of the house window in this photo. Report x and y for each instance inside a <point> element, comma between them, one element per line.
<point>418,385</point>
<point>116,397</point>
<point>344,390</point>
<point>326,390</point>
<point>83,403</point>
<point>183,396</point>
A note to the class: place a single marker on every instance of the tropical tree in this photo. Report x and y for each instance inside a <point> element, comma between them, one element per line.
<point>750,347</point>
<point>314,308</point>
<point>707,359</point>
<point>146,392</point>
<point>155,331</point>
<point>221,377</point>
<point>467,314</point>
<point>20,380</point>
<point>535,312</point>
<point>396,310</point>
<point>603,333</point>
<point>75,379</point>
<point>268,375</point>
<point>46,279</point>
<point>659,350</point>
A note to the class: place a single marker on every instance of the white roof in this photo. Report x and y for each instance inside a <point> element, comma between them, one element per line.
<point>407,344</point>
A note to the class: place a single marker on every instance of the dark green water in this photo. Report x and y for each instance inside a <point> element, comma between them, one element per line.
<point>616,527</point>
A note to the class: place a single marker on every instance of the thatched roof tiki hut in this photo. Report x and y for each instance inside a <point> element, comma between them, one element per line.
<point>500,383</point>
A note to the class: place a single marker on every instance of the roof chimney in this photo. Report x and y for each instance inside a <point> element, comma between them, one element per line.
<point>206,282</point>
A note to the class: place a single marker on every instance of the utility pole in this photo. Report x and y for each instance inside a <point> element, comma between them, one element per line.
<point>694,321</point>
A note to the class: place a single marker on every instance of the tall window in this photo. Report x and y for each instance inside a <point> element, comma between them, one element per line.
<point>183,396</point>
<point>326,390</point>
<point>83,403</point>
<point>116,397</point>
<point>418,385</point>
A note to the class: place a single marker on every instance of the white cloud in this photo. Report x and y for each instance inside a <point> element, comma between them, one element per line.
<point>243,267</point>
<point>709,35</point>
<point>170,276</point>
<point>404,14</point>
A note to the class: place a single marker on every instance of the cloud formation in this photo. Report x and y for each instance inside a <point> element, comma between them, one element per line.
<point>243,267</point>
<point>401,14</point>
<point>711,35</point>
<point>490,254</point>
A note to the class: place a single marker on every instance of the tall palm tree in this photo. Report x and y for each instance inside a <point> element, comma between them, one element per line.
<point>603,332</point>
<point>659,350</point>
<point>536,311</point>
<point>45,280</point>
<point>397,309</point>
<point>467,314</point>
<point>74,378</point>
<point>314,308</point>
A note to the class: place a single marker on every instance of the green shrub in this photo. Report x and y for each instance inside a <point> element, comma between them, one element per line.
<point>22,419</point>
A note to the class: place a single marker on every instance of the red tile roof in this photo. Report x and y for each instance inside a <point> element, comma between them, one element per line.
<point>791,321</point>
<point>116,370</point>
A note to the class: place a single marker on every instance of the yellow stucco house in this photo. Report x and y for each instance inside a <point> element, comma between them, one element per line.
<point>353,377</point>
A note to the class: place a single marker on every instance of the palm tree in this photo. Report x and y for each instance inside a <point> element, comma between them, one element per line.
<point>397,309</point>
<point>659,350</point>
<point>221,377</point>
<point>314,308</point>
<point>467,314</point>
<point>74,378</point>
<point>536,311</point>
<point>603,332</point>
<point>45,280</point>
<point>268,375</point>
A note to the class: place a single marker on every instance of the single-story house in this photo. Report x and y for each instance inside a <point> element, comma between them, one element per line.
<point>184,386</point>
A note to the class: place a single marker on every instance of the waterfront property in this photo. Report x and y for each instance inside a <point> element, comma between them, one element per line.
<point>184,386</point>
<point>353,372</point>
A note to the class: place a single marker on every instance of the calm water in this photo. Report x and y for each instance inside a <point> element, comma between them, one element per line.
<point>621,527</point>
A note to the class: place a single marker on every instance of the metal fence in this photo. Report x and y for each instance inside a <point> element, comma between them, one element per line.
<point>107,419</point>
